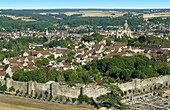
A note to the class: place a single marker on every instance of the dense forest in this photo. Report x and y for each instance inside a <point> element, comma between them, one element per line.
<point>102,21</point>
<point>41,23</point>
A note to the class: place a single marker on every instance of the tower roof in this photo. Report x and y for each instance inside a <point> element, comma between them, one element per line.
<point>126,24</point>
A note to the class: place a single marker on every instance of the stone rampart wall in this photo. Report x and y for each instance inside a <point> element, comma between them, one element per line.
<point>136,86</point>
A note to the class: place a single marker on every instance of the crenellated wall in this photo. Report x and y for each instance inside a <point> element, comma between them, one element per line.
<point>21,86</point>
<point>136,86</point>
<point>2,81</point>
<point>94,91</point>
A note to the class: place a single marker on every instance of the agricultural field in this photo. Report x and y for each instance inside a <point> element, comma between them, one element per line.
<point>96,13</point>
<point>153,15</point>
<point>23,18</point>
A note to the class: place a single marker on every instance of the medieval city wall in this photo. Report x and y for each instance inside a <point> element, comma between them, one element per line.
<point>2,81</point>
<point>136,86</point>
<point>41,88</point>
<point>64,90</point>
<point>21,86</point>
<point>94,91</point>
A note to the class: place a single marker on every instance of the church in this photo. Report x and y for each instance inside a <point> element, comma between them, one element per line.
<point>124,31</point>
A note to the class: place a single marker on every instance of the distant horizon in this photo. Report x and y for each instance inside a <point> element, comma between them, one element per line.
<point>75,8</point>
<point>84,4</point>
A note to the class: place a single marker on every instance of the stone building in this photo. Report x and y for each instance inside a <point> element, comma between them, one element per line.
<point>124,31</point>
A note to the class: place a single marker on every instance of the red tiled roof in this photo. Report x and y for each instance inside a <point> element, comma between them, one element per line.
<point>2,73</point>
<point>15,68</point>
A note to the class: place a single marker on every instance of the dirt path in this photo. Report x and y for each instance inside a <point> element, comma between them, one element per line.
<point>8,102</point>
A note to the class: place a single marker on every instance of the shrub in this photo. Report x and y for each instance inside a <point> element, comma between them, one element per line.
<point>46,93</point>
<point>3,88</point>
<point>40,96</point>
<point>82,98</point>
<point>17,92</point>
<point>31,94</point>
<point>7,76</point>
<point>61,99</point>
<point>73,100</point>
<point>11,89</point>
<point>50,97</point>
<point>67,100</point>
<point>21,92</point>
<point>36,95</point>
<point>86,98</point>
<point>56,99</point>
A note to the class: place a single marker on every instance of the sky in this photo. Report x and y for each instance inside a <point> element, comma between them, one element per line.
<point>109,4</point>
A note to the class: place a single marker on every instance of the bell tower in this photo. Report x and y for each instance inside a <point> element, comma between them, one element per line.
<point>126,25</point>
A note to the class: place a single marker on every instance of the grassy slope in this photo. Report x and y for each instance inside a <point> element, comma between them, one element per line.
<point>19,103</point>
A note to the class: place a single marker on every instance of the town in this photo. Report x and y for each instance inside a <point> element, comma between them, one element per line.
<point>89,54</point>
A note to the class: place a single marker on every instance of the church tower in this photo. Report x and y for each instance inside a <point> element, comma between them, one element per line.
<point>126,25</point>
<point>126,30</point>
<point>46,32</point>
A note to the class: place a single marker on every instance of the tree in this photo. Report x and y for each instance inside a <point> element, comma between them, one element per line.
<point>83,98</point>
<point>126,74</point>
<point>108,42</point>
<point>7,76</point>
<point>41,76</point>
<point>60,78</point>
<point>86,38</point>
<point>142,39</point>
<point>42,62</point>
<point>18,75</point>
<point>163,58</point>
<point>111,99</point>
<point>3,88</point>
<point>85,77</point>
<point>136,74</point>
<point>114,72</point>
<point>164,71</point>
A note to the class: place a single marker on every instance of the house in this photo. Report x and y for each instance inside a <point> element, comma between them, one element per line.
<point>11,69</point>
<point>57,54</point>
<point>98,48</point>
<point>165,47</point>
<point>43,54</point>
<point>2,67</point>
<point>26,54</point>
<point>6,61</point>
<point>115,54</point>
<point>168,59</point>
<point>68,66</point>
<point>136,50</point>
<point>2,74</point>
<point>79,52</point>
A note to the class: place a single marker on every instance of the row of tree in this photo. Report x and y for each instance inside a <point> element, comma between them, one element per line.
<point>42,75</point>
